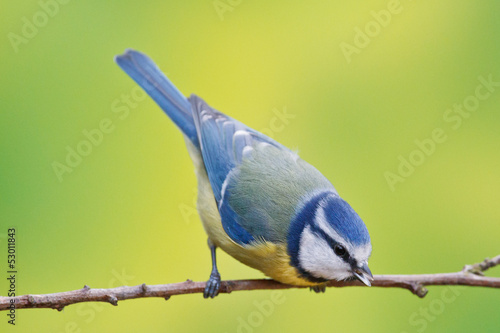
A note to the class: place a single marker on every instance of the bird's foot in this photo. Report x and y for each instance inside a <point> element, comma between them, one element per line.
<point>318,289</point>
<point>213,286</point>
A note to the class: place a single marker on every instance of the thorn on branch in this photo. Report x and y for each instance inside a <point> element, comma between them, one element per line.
<point>113,300</point>
<point>144,288</point>
<point>418,289</point>
<point>422,291</point>
<point>85,288</point>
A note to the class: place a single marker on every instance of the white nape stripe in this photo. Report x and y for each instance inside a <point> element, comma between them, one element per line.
<point>321,222</point>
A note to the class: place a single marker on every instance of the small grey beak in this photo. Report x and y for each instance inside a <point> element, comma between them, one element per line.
<point>363,274</point>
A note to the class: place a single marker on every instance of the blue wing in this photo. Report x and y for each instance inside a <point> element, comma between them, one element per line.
<point>224,143</point>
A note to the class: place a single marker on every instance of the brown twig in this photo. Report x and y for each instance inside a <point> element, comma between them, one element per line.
<point>470,275</point>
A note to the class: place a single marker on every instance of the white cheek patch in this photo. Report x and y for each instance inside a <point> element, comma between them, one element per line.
<point>317,258</point>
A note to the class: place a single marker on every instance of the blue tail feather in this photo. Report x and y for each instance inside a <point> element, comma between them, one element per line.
<point>145,72</point>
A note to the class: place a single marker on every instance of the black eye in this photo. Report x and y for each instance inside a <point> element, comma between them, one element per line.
<point>339,250</point>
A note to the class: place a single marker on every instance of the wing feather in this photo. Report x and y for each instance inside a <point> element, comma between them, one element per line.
<point>257,182</point>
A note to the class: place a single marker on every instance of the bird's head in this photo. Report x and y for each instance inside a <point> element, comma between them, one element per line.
<point>327,240</point>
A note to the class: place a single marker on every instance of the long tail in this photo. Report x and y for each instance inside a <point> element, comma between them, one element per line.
<point>145,72</point>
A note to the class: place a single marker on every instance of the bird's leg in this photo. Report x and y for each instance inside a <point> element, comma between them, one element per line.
<point>213,283</point>
<point>321,288</point>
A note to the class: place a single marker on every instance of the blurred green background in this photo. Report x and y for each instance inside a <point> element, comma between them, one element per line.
<point>125,212</point>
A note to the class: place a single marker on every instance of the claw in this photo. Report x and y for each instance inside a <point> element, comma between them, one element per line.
<point>212,287</point>
<point>318,289</point>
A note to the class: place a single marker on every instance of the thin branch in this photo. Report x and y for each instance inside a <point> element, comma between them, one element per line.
<point>470,275</point>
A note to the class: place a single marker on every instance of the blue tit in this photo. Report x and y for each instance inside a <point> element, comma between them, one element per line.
<point>258,201</point>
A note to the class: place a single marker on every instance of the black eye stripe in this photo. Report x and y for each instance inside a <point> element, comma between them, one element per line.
<point>315,229</point>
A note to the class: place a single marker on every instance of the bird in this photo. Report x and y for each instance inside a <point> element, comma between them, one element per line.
<point>257,199</point>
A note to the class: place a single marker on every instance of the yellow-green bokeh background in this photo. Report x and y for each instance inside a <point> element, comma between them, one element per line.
<point>120,210</point>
